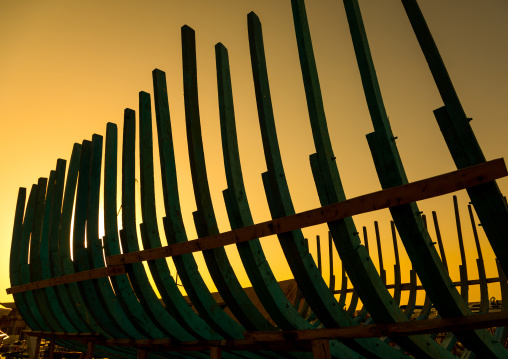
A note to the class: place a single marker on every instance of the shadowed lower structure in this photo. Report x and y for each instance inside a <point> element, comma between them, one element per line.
<point>101,301</point>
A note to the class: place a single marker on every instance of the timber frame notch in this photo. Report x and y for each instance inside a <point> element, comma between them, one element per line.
<point>101,302</point>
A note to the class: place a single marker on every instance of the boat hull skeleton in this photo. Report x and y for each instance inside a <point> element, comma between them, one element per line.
<point>108,302</point>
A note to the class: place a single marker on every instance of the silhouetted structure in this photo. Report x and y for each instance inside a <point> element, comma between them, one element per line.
<point>106,305</point>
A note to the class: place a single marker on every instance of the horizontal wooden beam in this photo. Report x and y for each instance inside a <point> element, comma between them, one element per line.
<point>413,327</point>
<point>411,192</point>
<point>407,286</point>
<point>296,340</point>
<point>70,278</point>
<point>83,337</point>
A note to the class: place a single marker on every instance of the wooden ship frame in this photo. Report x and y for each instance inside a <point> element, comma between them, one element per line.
<point>101,302</point>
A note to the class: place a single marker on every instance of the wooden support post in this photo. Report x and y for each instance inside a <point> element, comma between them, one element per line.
<point>382,271</point>
<point>318,244</point>
<point>330,254</point>
<point>89,350</point>
<point>215,353</point>
<point>51,347</point>
<point>321,349</point>
<point>142,353</point>
<point>37,348</point>
<point>439,240</point>
<point>464,288</point>
<point>397,279</point>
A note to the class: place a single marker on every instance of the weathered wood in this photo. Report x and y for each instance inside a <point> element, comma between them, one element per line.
<point>176,308</point>
<point>382,272</point>
<point>330,262</point>
<point>484,290</point>
<point>70,278</point>
<point>51,349</point>
<point>142,354</point>
<point>458,324</point>
<point>215,353</point>
<point>186,265</point>
<point>390,170</point>
<point>89,351</point>
<point>292,337</point>
<point>464,289</point>
<point>133,304</point>
<point>281,311</point>
<point>408,286</point>
<point>37,347</point>
<point>321,349</point>
<point>304,269</point>
<point>388,198</point>
<point>461,141</point>
<point>439,240</point>
<point>396,268</point>
<point>219,266</point>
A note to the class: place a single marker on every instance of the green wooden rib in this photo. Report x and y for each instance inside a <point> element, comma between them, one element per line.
<point>415,237</point>
<point>283,313</point>
<point>34,268</point>
<point>464,286</point>
<point>41,318</point>
<point>362,272</point>
<point>396,268</point>
<point>68,295</point>
<point>93,299</point>
<point>59,223</point>
<point>492,210</point>
<point>484,291</point>
<point>138,314</point>
<point>71,303</point>
<point>500,333</point>
<point>115,304</point>
<point>192,281</point>
<point>166,285</point>
<point>216,260</point>
<point>93,256</point>
<point>21,226</point>
<point>60,293</point>
<point>354,300</point>
<point>300,261</point>
<point>439,240</point>
<point>66,264</point>
<point>42,266</point>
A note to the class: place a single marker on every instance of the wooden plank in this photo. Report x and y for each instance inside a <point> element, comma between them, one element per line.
<point>142,354</point>
<point>321,349</point>
<point>70,278</point>
<point>51,353</point>
<point>407,286</point>
<point>84,337</point>
<point>89,350</point>
<point>391,197</point>
<point>458,324</point>
<point>215,353</point>
<point>37,348</point>
<point>295,337</point>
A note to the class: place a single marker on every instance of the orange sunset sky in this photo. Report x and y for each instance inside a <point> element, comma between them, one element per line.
<point>69,67</point>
